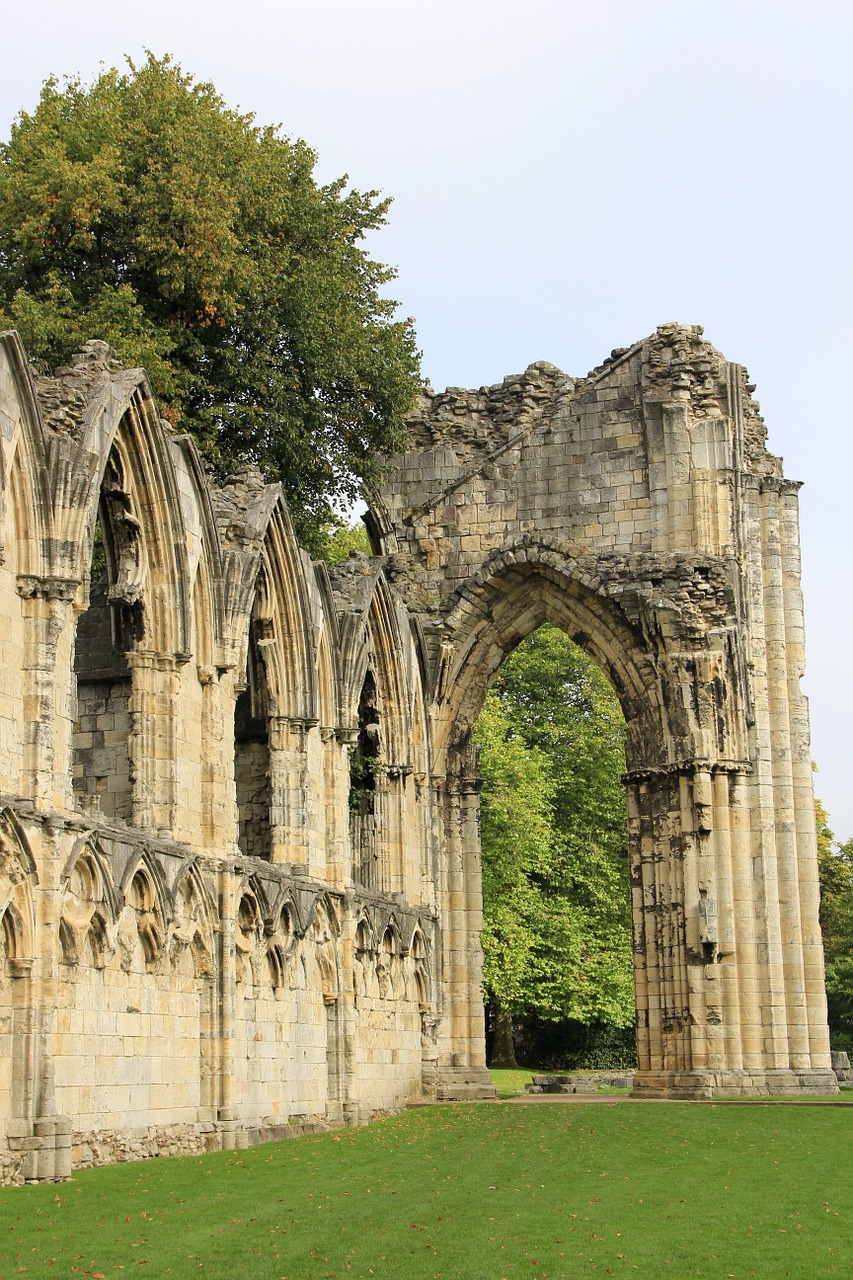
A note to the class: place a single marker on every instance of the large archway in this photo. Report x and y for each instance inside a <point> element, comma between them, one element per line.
<point>639,510</point>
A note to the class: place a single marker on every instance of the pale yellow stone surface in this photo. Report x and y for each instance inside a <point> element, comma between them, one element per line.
<point>216,926</point>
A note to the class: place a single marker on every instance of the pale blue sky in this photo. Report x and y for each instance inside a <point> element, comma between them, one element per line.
<point>567,175</point>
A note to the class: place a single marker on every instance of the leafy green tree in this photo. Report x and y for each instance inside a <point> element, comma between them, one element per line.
<point>336,542</point>
<point>835,867</point>
<point>557,932</point>
<point>516,815</point>
<point>142,210</point>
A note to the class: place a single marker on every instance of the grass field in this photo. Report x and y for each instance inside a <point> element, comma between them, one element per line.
<point>478,1192</point>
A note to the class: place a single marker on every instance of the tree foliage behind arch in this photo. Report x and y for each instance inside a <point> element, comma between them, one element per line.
<point>557,926</point>
<point>142,210</point>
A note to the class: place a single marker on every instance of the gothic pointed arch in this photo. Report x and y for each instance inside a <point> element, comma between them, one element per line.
<point>18,878</point>
<point>205,562</point>
<point>90,905</point>
<point>533,582</point>
<point>193,919</point>
<point>146,894</point>
<point>25,496</point>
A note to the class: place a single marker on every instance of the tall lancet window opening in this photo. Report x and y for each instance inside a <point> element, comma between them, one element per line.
<point>252,752</point>
<point>364,795</point>
<point>112,625</point>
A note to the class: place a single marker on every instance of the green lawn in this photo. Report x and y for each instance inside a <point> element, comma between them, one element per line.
<point>509,1082</point>
<point>470,1193</point>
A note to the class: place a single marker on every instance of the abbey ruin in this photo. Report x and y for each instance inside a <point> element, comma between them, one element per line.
<point>239,843</point>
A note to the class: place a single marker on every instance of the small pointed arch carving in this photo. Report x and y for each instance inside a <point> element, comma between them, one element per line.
<point>88,875</point>
<point>284,932</point>
<point>146,894</point>
<point>324,930</point>
<point>193,921</point>
<point>419,948</point>
<point>97,950</point>
<point>90,906</point>
<point>388,961</point>
<point>323,917</point>
<point>364,957</point>
<point>67,943</point>
<point>17,881</point>
<point>249,931</point>
<point>365,939</point>
<point>277,965</point>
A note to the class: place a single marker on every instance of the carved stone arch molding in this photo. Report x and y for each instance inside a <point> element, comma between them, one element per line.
<point>91,906</point>
<point>324,930</point>
<point>518,590</point>
<point>250,933</point>
<point>193,921</point>
<point>147,912</point>
<point>284,931</point>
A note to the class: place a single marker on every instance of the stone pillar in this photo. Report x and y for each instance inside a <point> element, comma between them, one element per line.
<point>814,994</point>
<point>151,746</point>
<point>42,1136</point>
<point>48,614</point>
<point>227,1114</point>
<point>461,1067</point>
<point>659,935</point>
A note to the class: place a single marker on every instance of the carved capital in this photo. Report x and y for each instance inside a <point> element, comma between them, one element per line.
<point>50,587</point>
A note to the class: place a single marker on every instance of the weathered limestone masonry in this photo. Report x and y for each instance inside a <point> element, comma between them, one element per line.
<point>639,509</point>
<point>239,840</point>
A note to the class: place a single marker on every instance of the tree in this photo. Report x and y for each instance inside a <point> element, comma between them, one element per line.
<point>835,868</point>
<point>336,542</point>
<point>142,210</point>
<point>516,819</point>
<point>557,930</point>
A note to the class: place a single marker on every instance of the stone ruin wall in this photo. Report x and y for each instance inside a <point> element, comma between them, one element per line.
<point>639,509</point>
<point>239,840</point>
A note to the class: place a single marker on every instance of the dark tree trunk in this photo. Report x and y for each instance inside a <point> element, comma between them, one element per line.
<point>503,1046</point>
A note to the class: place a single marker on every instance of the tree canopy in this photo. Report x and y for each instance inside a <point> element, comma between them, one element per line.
<point>557,926</point>
<point>835,867</point>
<point>142,210</point>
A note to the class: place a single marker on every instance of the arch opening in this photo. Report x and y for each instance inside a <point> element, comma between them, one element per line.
<point>363,799</point>
<point>252,761</point>
<point>111,626</point>
<point>556,937</point>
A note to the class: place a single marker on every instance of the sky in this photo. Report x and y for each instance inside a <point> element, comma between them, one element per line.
<point>567,175</point>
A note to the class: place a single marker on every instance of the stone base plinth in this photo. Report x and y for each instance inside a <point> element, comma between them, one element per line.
<point>734,1084</point>
<point>464,1084</point>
